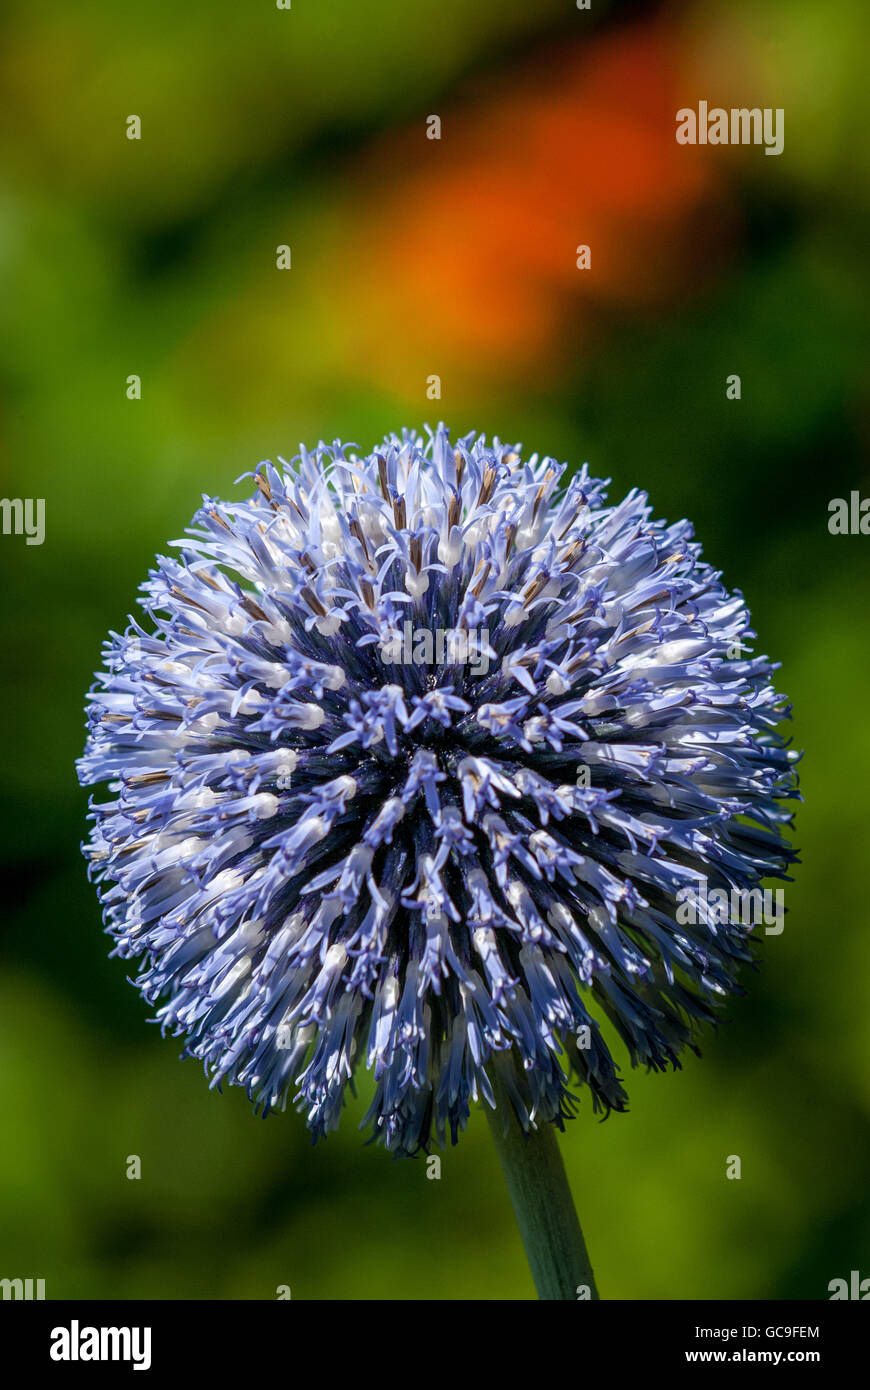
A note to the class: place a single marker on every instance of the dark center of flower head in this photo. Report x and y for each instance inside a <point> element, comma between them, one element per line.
<point>409,772</point>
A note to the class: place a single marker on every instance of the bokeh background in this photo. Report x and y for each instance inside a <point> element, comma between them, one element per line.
<point>413,257</point>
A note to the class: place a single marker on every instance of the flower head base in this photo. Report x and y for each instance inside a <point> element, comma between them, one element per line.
<point>329,852</point>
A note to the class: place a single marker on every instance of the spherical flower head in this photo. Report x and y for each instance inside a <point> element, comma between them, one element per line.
<point>411,769</point>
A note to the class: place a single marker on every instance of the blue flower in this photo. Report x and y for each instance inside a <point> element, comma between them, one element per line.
<point>413,766</point>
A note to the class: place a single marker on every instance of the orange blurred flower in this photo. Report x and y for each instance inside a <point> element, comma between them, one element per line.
<point>465,249</point>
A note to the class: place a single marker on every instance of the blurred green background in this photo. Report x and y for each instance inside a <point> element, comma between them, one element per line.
<point>412,257</point>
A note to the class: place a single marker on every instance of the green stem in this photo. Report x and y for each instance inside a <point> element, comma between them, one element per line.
<point>538,1186</point>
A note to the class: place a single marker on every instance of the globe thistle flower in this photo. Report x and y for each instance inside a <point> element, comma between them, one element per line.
<point>407,772</point>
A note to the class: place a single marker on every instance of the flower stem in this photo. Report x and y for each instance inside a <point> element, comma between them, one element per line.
<point>538,1186</point>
